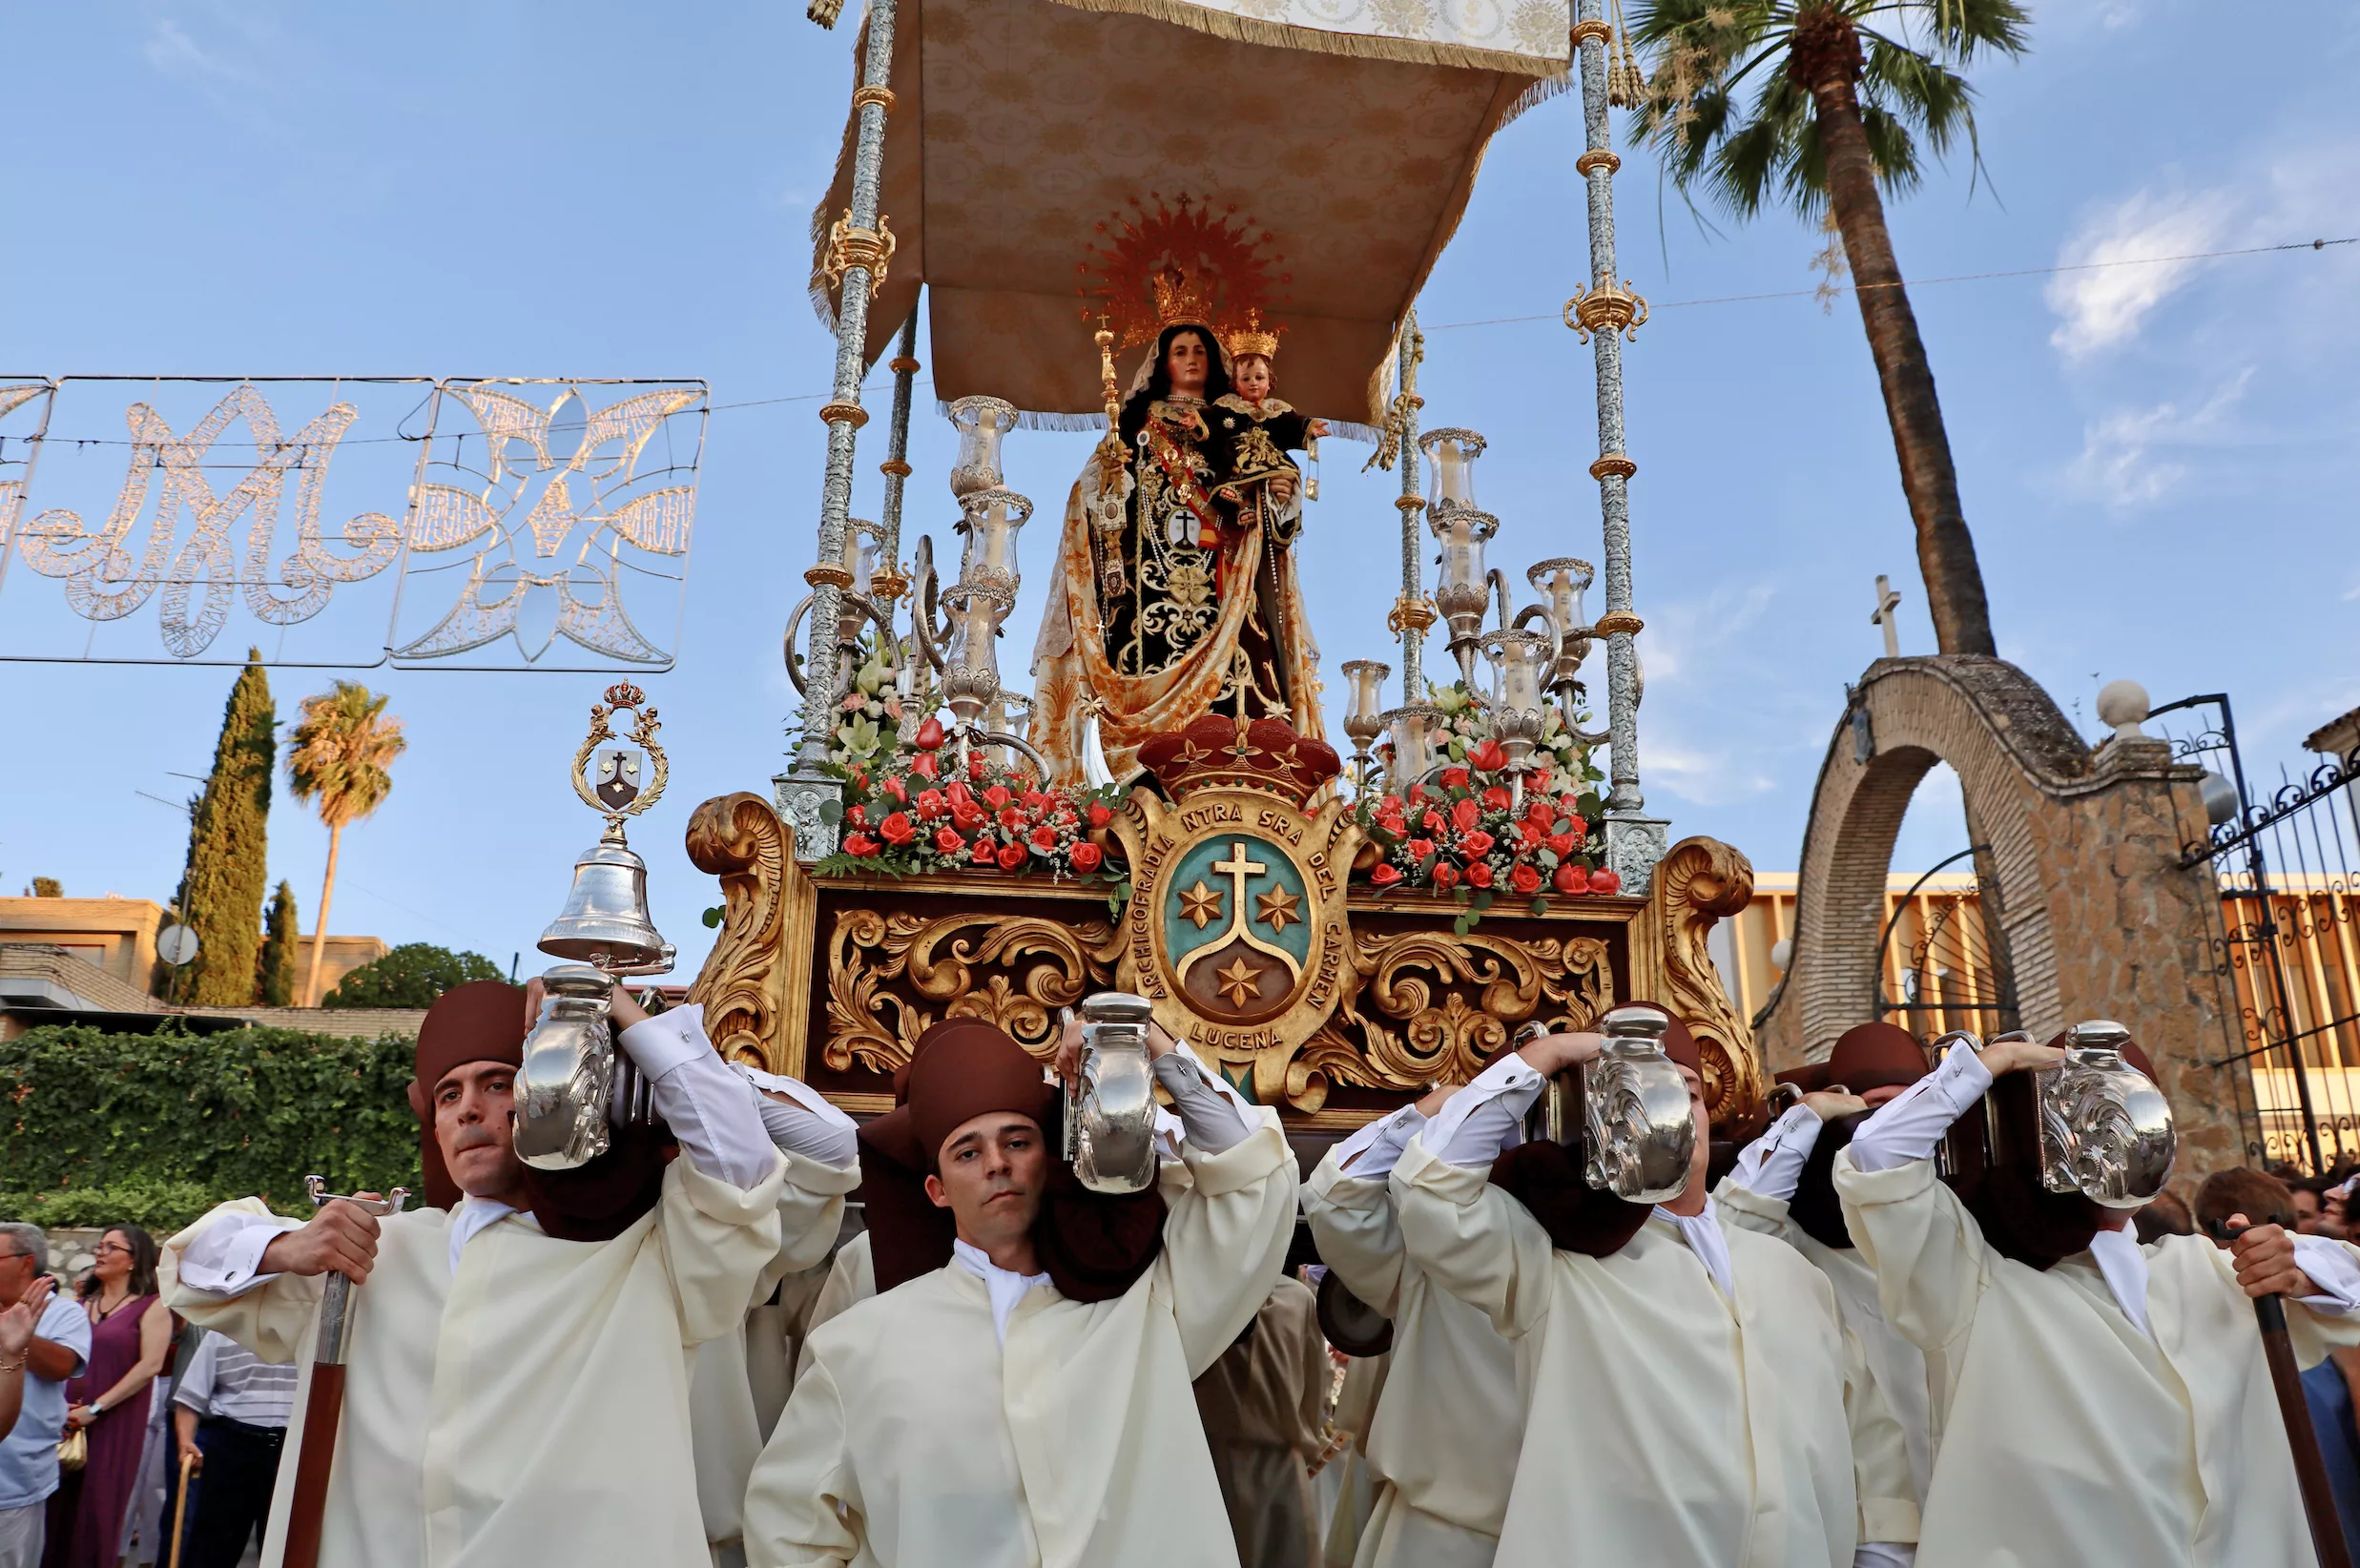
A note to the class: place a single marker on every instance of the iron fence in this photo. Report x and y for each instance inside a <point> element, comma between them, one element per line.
<point>2287,866</point>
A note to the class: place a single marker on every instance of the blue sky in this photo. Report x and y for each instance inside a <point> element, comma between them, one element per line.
<point>2157,461</point>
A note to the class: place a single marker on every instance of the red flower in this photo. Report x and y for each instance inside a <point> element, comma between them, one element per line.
<point>947,840</point>
<point>897,829</point>
<point>1604,880</point>
<point>929,735</point>
<point>1035,801</point>
<point>1445,876</point>
<point>1464,814</point>
<point>1473,845</point>
<point>927,764</point>
<point>958,793</point>
<point>899,791</point>
<point>860,844</point>
<point>856,816</point>
<point>1563,844</point>
<point>1572,877</point>
<point>997,797</point>
<point>1432,821</point>
<point>931,804</point>
<point>1011,856</point>
<point>1384,876</point>
<point>860,780</point>
<point>855,701</point>
<point>1540,808</point>
<point>1087,856</point>
<point>1044,837</point>
<point>1525,880</point>
<point>1418,793</point>
<point>1479,874</point>
<point>1012,819</point>
<point>1455,778</point>
<point>1570,804</point>
<point>1577,830</point>
<point>1497,798</point>
<point>1532,832</point>
<point>975,767</point>
<point>1488,757</point>
<point>968,815</point>
<point>1421,848</point>
<point>1100,814</point>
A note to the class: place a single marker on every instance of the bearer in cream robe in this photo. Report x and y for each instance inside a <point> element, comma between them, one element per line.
<point>1871,1064</point>
<point>726,1420</point>
<point>977,1415</point>
<point>2112,1410</point>
<point>511,1397</point>
<point>1446,1436</point>
<point>1692,1398</point>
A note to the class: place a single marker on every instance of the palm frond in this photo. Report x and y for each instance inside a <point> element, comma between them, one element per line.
<point>1893,147</point>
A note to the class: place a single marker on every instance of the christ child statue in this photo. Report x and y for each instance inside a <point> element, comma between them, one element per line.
<point>1260,430</point>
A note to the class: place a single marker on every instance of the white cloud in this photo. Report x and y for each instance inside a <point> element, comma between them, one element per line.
<point>2106,305</point>
<point>171,50</point>
<point>2130,458</point>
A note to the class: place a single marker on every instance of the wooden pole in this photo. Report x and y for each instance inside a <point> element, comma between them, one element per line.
<point>2310,1470</point>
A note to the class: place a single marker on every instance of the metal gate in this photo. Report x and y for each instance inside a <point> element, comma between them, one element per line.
<point>2284,948</point>
<point>1936,973</point>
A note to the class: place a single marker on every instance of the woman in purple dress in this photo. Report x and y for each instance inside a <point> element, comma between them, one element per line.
<point>131,1336</point>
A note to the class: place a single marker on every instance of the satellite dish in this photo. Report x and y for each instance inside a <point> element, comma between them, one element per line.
<point>176,945</point>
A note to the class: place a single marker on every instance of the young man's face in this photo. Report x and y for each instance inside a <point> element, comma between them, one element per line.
<point>990,1173</point>
<point>1253,377</point>
<point>2306,1211</point>
<point>474,1124</point>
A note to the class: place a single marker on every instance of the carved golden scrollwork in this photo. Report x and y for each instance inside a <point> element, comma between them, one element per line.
<point>1699,883</point>
<point>850,246</point>
<point>738,838</point>
<point>1606,308</point>
<point>1013,973</point>
<point>1451,1002</point>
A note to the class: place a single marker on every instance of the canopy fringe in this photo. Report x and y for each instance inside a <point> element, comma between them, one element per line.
<point>1247,30</point>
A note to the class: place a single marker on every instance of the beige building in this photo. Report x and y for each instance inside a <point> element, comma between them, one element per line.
<point>118,936</point>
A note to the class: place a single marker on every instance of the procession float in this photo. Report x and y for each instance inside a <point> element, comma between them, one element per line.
<point>1163,812</point>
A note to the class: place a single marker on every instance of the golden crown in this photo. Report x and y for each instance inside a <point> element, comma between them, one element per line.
<point>1255,337</point>
<point>1180,298</point>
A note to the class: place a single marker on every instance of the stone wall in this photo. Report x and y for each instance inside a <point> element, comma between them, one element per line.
<point>2094,916</point>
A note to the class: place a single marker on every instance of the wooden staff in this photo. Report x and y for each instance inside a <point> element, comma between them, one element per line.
<point>323,1411</point>
<point>180,1509</point>
<point>2310,1470</point>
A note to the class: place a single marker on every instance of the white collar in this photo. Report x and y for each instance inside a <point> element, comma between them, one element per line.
<point>1007,1287</point>
<point>1703,1234</point>
<point>2123,1265</point>
<point>472,1216</point>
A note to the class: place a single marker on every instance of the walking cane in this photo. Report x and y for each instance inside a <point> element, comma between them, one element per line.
<point>2310,1471</point>
<point>180,1509</point>
<point>324,1409</point>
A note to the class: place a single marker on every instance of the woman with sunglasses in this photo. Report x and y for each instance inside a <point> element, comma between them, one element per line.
<point>131,1336</point>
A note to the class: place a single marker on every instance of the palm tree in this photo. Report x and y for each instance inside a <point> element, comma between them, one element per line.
<point>339,751</point>
<point>1828,122</point>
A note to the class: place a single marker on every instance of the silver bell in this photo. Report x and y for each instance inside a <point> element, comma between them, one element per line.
<point>605,922</point>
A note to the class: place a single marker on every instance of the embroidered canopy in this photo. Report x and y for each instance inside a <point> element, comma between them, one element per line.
<point>1349,129</point>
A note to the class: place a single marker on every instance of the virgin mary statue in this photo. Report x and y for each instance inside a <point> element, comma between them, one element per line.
<point>1176,593</point>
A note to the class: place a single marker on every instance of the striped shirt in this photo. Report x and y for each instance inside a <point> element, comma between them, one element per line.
<point>226,1380</point>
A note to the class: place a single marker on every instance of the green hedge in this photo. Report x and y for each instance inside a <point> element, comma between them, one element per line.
<point>155,1129</point>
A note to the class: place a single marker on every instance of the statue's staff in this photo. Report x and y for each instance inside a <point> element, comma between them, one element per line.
<point>323,1411</point>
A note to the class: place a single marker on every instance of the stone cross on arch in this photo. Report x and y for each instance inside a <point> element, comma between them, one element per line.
<point>1886,602</point>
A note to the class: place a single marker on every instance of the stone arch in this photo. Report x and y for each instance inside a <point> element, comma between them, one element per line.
<point>2095,916</point>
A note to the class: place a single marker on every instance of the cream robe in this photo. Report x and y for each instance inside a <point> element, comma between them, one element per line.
<point>1907,1380</point>
<point>1446,1437</point>
<point>726,1428</point>
<point>533,1407</point>
<point>1356,1490</point>
<point>2071,1437</point>
<point>1667,1426</point>
<point>915,1439</point>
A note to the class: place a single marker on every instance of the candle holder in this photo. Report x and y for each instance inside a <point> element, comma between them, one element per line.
<point>1365,722</point>
<point>1520,658</point>
<point>993,518</point>
<point>971,663</point>
<point>1463,529</point>
<point>980,422</point>
<point>1412,725</point>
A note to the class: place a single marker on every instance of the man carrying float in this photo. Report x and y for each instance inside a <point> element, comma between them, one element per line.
<point>1018,1393</point>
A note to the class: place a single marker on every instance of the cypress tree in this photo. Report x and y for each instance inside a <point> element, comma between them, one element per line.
<point>274,973</point>
<point>229,867</point>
